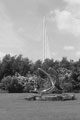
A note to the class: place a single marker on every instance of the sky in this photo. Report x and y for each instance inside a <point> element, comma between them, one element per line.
<point>21,28</point>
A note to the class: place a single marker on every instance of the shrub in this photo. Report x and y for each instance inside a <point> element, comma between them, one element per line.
<point>5,83</point>
<point>12,84</point>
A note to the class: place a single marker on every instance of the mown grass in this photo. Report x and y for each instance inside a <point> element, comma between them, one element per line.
<point>15,107</point>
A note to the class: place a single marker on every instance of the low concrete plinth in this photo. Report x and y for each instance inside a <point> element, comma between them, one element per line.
<point>57,97</point>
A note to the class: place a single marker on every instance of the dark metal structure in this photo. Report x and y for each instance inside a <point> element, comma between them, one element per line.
<point>42,95</point>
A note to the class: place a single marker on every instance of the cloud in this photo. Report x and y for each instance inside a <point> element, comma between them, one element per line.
<point>78,53</point>
<point>54,53</point>
<point>8,36</point>
<point>62,19</point>
<point>73,1</point>
<point>68,48</point>
<point>68,22</point>
<point>68,19</point>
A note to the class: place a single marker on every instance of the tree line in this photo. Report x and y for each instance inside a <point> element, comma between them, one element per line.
<point>19,74</point>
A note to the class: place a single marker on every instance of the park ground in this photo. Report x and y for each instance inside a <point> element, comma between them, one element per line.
<point>15,107</point>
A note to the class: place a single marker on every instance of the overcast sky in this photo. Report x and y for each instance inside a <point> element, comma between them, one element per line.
<point>21,28</point>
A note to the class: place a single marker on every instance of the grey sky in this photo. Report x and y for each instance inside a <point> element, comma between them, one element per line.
<point>21,27</point>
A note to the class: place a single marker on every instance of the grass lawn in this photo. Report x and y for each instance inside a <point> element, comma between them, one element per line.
<point>15,107</point>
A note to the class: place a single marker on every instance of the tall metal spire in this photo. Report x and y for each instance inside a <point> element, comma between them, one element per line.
<point>46,51</point>
<point>44,39</point>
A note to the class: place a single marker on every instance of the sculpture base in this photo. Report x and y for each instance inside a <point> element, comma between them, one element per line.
<point>58,97</point>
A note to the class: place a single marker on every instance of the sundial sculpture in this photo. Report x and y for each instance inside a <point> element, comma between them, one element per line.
<point>43,96</point>
<point>53,84</point>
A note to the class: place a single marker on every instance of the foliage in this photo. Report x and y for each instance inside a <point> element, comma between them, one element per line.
<point>5,83</point>
<point>29,78</point>
<point>11,65</point>
<point>13,84</point>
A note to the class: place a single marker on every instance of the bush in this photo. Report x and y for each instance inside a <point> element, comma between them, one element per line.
<point>5,83</point>
<point>13,84</point>
<point>28,88</point>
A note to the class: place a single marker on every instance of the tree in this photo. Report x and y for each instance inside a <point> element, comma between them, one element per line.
<point>47,64</point>
<point>65,63</point>
<point>34,67</point>
<point>6,66</point>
